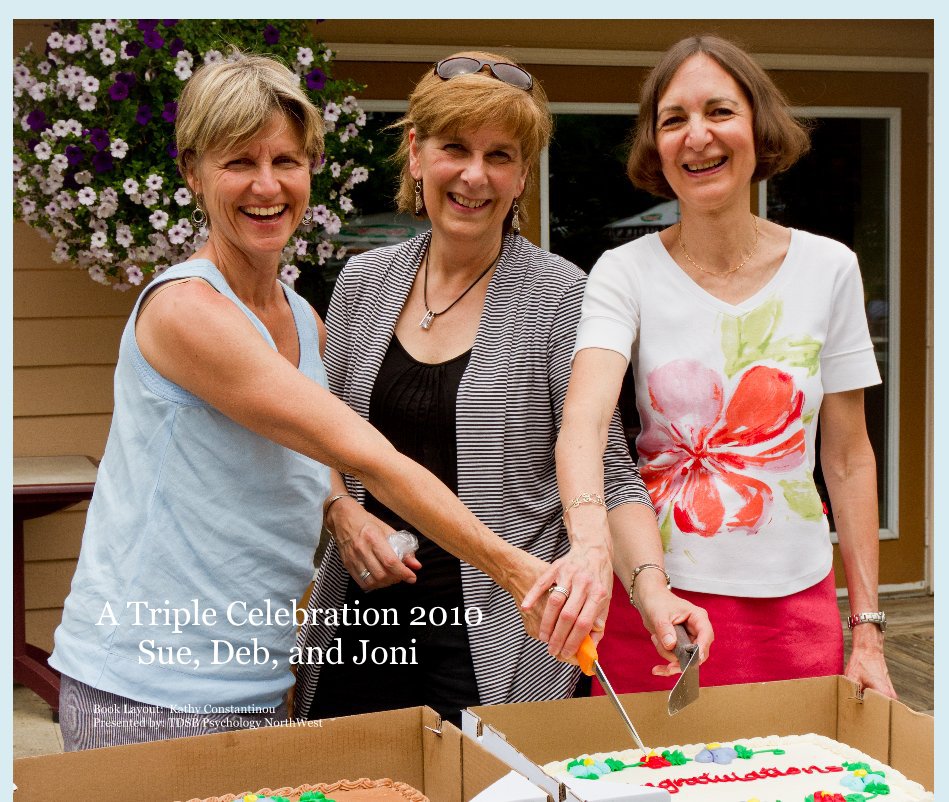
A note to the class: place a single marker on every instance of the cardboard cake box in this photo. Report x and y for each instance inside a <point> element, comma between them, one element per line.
<point>411,745</point>
<point>528,735</point>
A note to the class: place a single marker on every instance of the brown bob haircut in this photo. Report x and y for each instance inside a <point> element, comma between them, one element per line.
<point>780,139</point>
<point>227,103</point>
<point>467,102</point>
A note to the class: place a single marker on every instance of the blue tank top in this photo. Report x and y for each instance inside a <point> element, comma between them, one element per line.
<point>198,544</point>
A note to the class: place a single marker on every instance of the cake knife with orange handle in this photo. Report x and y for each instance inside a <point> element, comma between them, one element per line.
<point>589,665</point>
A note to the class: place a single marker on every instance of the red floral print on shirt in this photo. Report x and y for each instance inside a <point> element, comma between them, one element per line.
<point>698,445</point>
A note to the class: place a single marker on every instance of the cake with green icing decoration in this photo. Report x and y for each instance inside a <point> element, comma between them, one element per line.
<point>363,790</point>
<point>794,768</point>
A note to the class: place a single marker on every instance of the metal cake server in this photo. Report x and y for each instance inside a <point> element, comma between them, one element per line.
<point>686,689</point>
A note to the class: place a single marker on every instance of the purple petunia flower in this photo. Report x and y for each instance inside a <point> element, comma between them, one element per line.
<point>173,151</point>
<point>170,112</point>
<point>118,91</point>
<point>315,80</point>
<point>102,162</point>
<point>271,35</point>
<point>73,154</point>
<point>127,78</point>
<point>169,23</point>
<point>99,139</point>
<point>176,46</point>
<point>154,40</point>
<point>147,24</point>
<point>36,119</point>
<point>133,49</point>
<point>144,114</point>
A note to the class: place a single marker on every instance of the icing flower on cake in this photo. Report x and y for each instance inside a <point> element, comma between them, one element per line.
<point>588,768</point>
<point>861,777</point>
<point>824,796</point>
<point>716,753</point>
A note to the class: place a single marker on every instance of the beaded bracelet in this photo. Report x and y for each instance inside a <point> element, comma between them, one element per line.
<point>643,567</point>
<point>584,498</point>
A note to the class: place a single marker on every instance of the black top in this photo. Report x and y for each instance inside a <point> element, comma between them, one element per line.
<point>413,405</point>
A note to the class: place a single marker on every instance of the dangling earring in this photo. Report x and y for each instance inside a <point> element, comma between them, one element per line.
<point>419,203</point>
<point>198,217</point>
<point>515,218</point>
<point>308,215</point>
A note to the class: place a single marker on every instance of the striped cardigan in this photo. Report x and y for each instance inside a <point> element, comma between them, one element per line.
<point>508,413</point>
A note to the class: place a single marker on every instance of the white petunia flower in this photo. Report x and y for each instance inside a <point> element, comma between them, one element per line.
<point>43,151</point>
<point>213,57</point>
<point>118,148</point>
<point>86,196</point>
<point>75,43</point>
<point>331,112</point>
<point>345,203</point>
<point>134,274</point>
<point>182,196</point>
<point>91,84</point>
<point>38,92</point>
<point>54,40</point>
<point>98,240</point>
<point>304,56</point>
<point>28,205</point>
<point>130,186</point>
<point>83,177</point>
<point>158,219</point>
<point>150,198</point>
<point>17,163</point>
<point>154,181</point>
<point>107,56</point>
<point>289,274</point>
<point>182,70</point>
<point>86,102</point>
<point>58,162</point>
<point>123,236</point>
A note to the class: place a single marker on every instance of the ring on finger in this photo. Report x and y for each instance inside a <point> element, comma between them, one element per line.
<point>365,575</point>
<point>559,589</point>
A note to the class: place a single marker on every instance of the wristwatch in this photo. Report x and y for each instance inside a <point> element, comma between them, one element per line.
<point>878,618</point>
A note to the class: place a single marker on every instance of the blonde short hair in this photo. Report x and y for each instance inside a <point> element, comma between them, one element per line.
<point>227,103</point>
<point>478,100</point>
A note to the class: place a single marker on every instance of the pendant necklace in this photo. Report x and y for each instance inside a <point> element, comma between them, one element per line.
<point>430,315</point>
<point>731,270</point>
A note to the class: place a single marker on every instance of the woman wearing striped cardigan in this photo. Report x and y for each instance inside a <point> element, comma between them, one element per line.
<point>457,346</point>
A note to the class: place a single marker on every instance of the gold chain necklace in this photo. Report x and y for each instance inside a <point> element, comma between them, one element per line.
<point>728,272</point>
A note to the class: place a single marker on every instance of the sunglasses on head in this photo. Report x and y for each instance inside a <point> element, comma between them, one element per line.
<point>465,65</point>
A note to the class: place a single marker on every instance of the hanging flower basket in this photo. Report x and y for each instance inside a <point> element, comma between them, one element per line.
<point>94,148</point>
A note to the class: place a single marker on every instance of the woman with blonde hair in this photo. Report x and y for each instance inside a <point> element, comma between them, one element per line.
<point>456,344</point>
<point>207,509</point>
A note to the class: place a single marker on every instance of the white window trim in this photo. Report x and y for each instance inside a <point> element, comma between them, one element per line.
<point>890,528</point>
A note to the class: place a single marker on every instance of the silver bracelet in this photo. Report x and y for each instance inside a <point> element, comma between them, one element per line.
<point>326,509</point>
<point>640,569</point>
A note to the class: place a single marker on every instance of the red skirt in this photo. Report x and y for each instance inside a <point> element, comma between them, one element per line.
<point>756,640</point>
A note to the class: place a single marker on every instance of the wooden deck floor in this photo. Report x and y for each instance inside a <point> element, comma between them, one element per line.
<point>909,647</point>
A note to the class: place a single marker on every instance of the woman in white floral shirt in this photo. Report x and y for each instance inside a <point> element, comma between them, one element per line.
<point>742,334</point>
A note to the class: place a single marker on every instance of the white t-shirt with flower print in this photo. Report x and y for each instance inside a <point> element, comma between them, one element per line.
<point>729,397</point>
